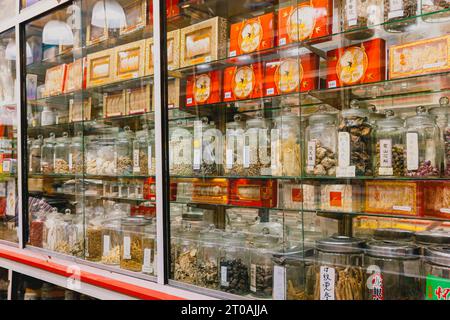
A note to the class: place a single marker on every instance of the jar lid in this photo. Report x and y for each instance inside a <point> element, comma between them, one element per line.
<point>439,254</point>
<point>133,221</point>
<point>234,237</point>
<point>355,111</point>
<point>390,249</point>
<point>293,255</point>
<point>422,117</point>
<point>321,118</point>
<point>442,109</point>
<point>390,121</point>
<point>340,244</point>
<point>393,234</point>
<point>211,233</point>
<point>257,122</point>
<point>287,118</point>
<point>432,237</point>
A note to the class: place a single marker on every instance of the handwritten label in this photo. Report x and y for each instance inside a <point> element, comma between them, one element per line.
<point>279,283</point>
<point>327,278</point>
<point>126,248</point>
<point>412,151</point>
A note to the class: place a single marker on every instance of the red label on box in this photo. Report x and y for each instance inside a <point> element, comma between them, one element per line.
<point>253,193</point>
<point>308,20</point>
<point>296,74</point>
<point>336,199</point>
<point>297,195</point>
<point>362,63</point>
<point>203,88</point>
<point>244,82</point>
<point>252,35</point>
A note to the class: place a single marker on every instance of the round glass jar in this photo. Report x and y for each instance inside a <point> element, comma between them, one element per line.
<point>76,154</point>
<point>424,239</point>
<point>186,253</point>
<point>390,147</point>
<point>105,161</point>
<point>208,148</point>
<point>48,154</point>
<point>354,142</point>
<point>338,273</point>
<point>436,267</point>
<point>399,14</point>
<point>357,15</point>
<point>111,242</point>
<point>61,161</point>
<point>321,137</point>
<point>35,155</point>
<point>297,265</point>
<point>256,153</point>
<point>131,253</point>
<point>422,145</point>
<point>234,147</point>
<point>181,149</point>
<point>124,152</point>
<point>208,258</point>
<point>430,10</point>
<point>392,271</point>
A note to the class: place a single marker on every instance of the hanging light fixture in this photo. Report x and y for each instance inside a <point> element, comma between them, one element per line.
<point>58,33</point>
<point>108,13</point>
<point>10,51</point>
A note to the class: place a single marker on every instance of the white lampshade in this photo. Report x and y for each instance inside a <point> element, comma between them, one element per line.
<point>10,51</point>
<point>58,33</point>
<point>108,13</point>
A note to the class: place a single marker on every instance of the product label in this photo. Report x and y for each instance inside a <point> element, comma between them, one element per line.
<point>377,287</point>
<point>253,278</point>
<point>136,168</point>
<point>270,91</point>
<point>402,208</point>
<point>70,161</point>
<point>352,14</point>
<point>224,276</point>
<point>445,210</point>
<point>385,153</point>
<point>297,195</point>
<point>229,158</point>
<point>412,151</point>
<point>279,283</point>
<point>197,144</point>
<point>147,266</point>
<point>246,155</point>
<point>227,95</point>
<point>349,171</point>
<point>344,149</point>
<point>327,280</point>
<point>395,9</point>
<point>126,248</point>
<point>335,199</point>
<point>282,42</point>
<point>437,288</point>
<point>311,161</point>
<point>106,245</point>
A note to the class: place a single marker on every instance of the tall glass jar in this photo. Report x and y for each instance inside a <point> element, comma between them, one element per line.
<point>61,163</point>
<point>234,264</point>
<point>261,265</point>
<point>151,153</point>
<point>76,236</point>
<point>392,271</point>
<point>48,154</point>
<point>35,155</point>
<point>285,146</point>
<point>436,270</point>
<point>63,231</point>
<point>124,152</point>
<point>76,154</point>
<point>208,148</point>
<point>443,122</point>
<point>111,242</point>
<point>132,242</point>
<point>338,273</point>
<point>422,145</point>
<point>208,258</point>
<point>234,147</point>
<point>357,15</point>
<point>256,154</point>
<point>431,6</point>
<point>141,152</point>
<point>321,139</point>
<point>390,147</point>
<point>354,143</point>
<point>149,250</point>
<point>186,253</point>
<point>399,14</point>
<point>181,149</point>
<point>93,241</point>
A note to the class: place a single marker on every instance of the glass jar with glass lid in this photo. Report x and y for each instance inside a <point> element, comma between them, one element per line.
<point>256,154</point>
<point>390,146</point>
<point>141,152</point>
<point>76,154</point>
<point>131,254</point>
<point>234,147</point>
<point>422,145</point>
<point>436,270</point>
<point>48,154</point>
<point>186,254</point>
<point>285,145</point>
<point>208,148</point>
<point>62,151</point>
<point>124,152</point>
<point>94,237</point>
<point>35,155</point>
<point>399,14</point>
<point>435,10</point>
<point>357,15</point>
<point>181,149</point>
<point>208,258</point>
<point>111,241</point>
<point>234,263</point>
<point>321,139</point>
<point>292,267</point>
<point>441,114</point>
<point>149,250</point>
<point>338,273</point>
<point>374,115</point>
<point>354,142</point>
<point>392,271</point>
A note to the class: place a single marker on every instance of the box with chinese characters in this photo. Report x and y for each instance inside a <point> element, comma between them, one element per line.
<point>173,52</point>
<point>100,68</point>
<point>292,195</point>
<point>138,100</point>
<point>340,197</point>
<point>436,199</point>
<point>75,76</point>
<point>253,192</point>
<point>114,104</point>
<point>54,80</point>
<point>80,110</point>
<point>243,82</point>
<point>129,61</point>
<point>149,190</point>
<point>211,191</point>
<point>204,88</point>
<point>356,64</point>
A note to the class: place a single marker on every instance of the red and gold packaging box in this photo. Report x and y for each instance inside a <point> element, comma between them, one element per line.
<point>75,75</point>
<point>362,63</point>
<point>307,20</point>
<point>149,190</point>
<point>243,82</point>
<point>252,35</point>
<point>393,197</point>
<point>296,74</point>
<point>253,193</point>
<point>204,88</point>
<point>211,191</point>
<point>172,9</point>
<point>436,199</point>
<point>54,80</point>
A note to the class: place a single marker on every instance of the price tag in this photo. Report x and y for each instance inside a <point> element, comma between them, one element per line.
<point>147,266</point>
<point>311,161</point>
<point>327,278</point>
<point>126,248</point>
<point>229,158</point>
<point>279,283</point>
<point>246,156</point>
<point>106,245</point>
<point>344,149</point>
<point>412,151</point>
<point>136,167</point>
<point>224,276</point>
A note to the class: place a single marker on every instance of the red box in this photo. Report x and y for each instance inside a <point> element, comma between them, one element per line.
<point>252,35</point>
<point>149,190</point>
<point>362,63</point>
<point>243,82</point>
<point>296,74</point>
<point>436,201</point>
<point>307,20</point>
<point>203,88</point>
<point>253,193</point>
<point>172,9</point>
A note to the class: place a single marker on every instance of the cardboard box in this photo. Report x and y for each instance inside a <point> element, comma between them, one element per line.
<point>136,16</point>
<point>296,74</point>
<point>54,80</point>
<point>340,197</point>
<point>203,42</point>
<point>419,57</point>
<point>362,63</point>
<point>95,35</point>
<point>172,9</point>
<point>114,104</point>
<point>173,52</point>
<point>129,61</point>
<point>174,91</point>
<point>253,193</point>
<point>252,35</point>
<point>203,88</point>
<point>80,111</point>
<point>436,199</point>
<point>211,191</point>
<point>243,82</point>
<point>307,20</point>
<point>138,100</point>
<point>75,76</point>
<point>100,68</point>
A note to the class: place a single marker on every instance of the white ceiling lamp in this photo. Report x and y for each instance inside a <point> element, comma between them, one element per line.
<point>108,13</point>
<point>58,33</point>
<point>10,51</point>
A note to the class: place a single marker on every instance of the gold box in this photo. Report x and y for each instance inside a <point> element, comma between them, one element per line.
<point>80,111</point>
<point>54,80</point>
<point>138,100</point>
<point>135,13</point>
<point>100,68</point>
<point>95,35</point>
<point>173,52</point>
<point>173,89</point>
<point>203,42</point>
<point>129,61</point>
<point>114,104</point>
<point>75,75</point>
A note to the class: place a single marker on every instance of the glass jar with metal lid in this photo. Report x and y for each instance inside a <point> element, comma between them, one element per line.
<point>321,137</point>
<point>422,145</point>
<point>234,147</point>
<point>436,270</point>
<point>132,240</point>
<point>48,154</point>
<point>392,271</point>
<point>338,273</point>
<point>354,142</point>
<point>186,253</point>
<point>263,246</point>
<point>399,14</point>
<point>61,161</point>
<point>285,145</point>
<point>180,148</point>
<point>425,239</point>
<point>293,267</point>
<point>208,148</point>
<point>208,258</point>
<point>124,152</point>
<point>256,154</point>
<point>234,263</point>
<point>393,235</point>
<point>35,155</point>
<point>76,154</point>
<point>390,146</point>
